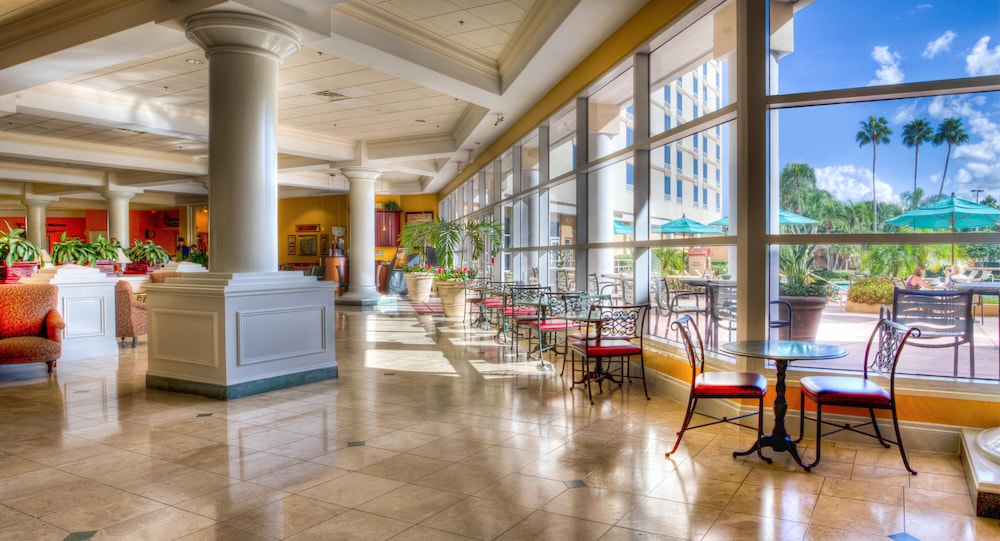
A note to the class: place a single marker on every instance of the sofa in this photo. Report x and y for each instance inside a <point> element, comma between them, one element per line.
<point>30,324</point>
<point>130,314</point>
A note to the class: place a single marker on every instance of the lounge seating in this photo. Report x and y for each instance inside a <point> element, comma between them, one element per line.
<point>31,327</point>
<point>130,314</point>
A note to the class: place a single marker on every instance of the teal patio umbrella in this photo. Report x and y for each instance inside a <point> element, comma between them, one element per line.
<point>687,226</point>
<point>622,228</point>
<point>785,217</point>
<point>951,213</point>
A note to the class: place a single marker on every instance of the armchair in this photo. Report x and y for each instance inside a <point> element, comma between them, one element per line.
<point>31,327</point>
<point>130,314</point>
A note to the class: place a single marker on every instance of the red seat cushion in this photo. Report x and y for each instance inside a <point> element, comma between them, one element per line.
<point>844,391</point>
<point>493,303</point>
<point>519,311</point>
<point>730,384</point>
<point>607,348</point>
<point>552,325</point>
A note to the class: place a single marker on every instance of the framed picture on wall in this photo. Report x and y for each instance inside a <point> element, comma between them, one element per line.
<point>324,245</point>
<point>417,217</point>
<point>307,245</point>
<point>291,244</point>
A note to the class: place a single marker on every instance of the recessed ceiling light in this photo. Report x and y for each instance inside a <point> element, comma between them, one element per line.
<point>195,61</point>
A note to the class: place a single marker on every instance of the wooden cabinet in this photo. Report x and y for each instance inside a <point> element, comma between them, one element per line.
<point>386,227</point>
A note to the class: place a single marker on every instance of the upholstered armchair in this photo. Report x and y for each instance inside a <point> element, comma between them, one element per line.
<point>130,314</point>
<point>30,327</point>
<point>159,277</point>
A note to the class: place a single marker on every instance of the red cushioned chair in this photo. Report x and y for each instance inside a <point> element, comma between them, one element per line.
<point>725,385</point>
<point>30,328</point>
<point>551,324</point>
<point>882,354</point>
<point>619,331</point>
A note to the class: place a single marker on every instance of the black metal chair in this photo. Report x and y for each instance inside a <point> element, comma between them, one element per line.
<point>944,318</point>
<point>716,385</point>
<point>779,322</point>
<point>550,324</point>
<point>882,354</point>
<point>670,303</point>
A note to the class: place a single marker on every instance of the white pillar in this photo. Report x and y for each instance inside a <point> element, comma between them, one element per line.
<point>362,204</point>
<point>118,217</point>
<point>602,211</point>
<point>34,223</point>
<point>244,53</point>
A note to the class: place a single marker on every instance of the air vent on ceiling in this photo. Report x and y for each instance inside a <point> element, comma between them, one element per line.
<point>330,95</point>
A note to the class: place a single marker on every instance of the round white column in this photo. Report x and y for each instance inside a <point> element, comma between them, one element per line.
<point>244,52</point>
<point>34,223</point>
<point>118,218</point>
<point>601,194</point>
<point>362,206</point>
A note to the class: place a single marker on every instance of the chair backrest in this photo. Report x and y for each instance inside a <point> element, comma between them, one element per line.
<point>318,270</point>
<point>621,322</point>
<point>936,313</point>
<point>884,347</point>
<point>560,303</point>
<point>562,280</point>
<point>627,286</point>
<point>693,344</point>
<point>25,307</point>
<point>593,286</point>
<point>724,304</point>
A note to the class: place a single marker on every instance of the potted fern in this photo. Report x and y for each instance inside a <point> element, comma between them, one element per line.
<point>20,257</point>
<point>146,257</point>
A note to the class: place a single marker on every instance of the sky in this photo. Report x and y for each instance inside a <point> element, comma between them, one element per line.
<point>856,43</point>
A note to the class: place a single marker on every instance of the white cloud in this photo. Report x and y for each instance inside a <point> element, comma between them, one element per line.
<point>983,60</point>
<point>853,183</point>
<point>905,113</point>
<point>974,164</point>
<point>889,72</point>
<point>939,45</point>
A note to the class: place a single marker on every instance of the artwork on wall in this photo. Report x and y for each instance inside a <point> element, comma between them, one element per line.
<point>307,245</point>
<point>291,244</point>
<point>306,228</point>
<point>324,245</point>
<point>417,217</point>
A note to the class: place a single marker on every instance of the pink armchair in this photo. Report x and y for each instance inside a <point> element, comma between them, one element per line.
<point>130,314</point>
<point>30,325</point>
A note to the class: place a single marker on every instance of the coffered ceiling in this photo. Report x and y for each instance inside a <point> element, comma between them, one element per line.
<point>110,93</point>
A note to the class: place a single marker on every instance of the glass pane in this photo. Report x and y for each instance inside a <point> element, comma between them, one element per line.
<point>489,182</point>
<point>898,42</point>
<point>562,142</point>
<point>507,175</point>
<point>691,181</point>
<point>562,223</point>
<point>689,75</point>
<point>529,161</point>
<point>609,114</point>
<point>828,175</point>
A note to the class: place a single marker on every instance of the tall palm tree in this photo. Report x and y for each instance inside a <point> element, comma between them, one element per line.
<point>876,131</point>
<point>916,133</point>
<point>950,131</point>
<point>913,199</point>
<point>795,174</point>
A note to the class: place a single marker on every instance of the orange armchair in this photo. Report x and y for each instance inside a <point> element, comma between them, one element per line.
<point>130,314</point>
<point>31,327</point>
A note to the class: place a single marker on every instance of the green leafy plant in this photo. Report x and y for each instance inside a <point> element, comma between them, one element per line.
<point>72,250</point>
<point>420,267</point>
<point>455,273</point>
<point>197,256</point>
<point>447,236</point>
<point>794,263</point>
<point>671,260</point>
<point>105,249</point>
<point>149,252</point>
<point>877,290</point>
<point>391,205</point>
<point>14,247</point>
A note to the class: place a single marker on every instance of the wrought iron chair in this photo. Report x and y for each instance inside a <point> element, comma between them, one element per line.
<point>551,323</point>
<point>716,385</point>
<point>944,318</point>
<point>520,306</point>
<point>619,332</point>
<point>882,354</point>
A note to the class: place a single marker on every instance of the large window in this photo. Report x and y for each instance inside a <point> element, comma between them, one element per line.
<point>562,142</point>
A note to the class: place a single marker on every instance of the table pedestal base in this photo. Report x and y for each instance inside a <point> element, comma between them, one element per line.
<point>778,443</point>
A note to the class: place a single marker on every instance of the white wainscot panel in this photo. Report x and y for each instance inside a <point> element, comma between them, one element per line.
<point>84,316</point>
<point>268,335</point>
<point>191,331</point>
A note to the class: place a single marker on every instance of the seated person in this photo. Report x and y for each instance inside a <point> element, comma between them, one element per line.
<point>957,274</point>
<point>916,280</point>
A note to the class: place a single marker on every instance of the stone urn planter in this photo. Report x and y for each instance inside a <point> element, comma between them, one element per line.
<point>418,285</point>
<point>452,293</point>
<point>806,315</point>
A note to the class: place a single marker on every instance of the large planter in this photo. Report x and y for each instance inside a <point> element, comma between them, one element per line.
<point>12,274</point>
<point>452,293</point>
<point>806,315</point>
<point>418,285</point>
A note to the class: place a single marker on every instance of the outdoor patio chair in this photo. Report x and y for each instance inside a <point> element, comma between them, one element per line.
<point>944,318</point>
<point>779,322</point>
<point>882,355</point>
<point>716,385</point>
<point>671,303</point>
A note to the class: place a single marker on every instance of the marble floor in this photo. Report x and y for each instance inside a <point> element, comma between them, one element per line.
<point>433,432</point>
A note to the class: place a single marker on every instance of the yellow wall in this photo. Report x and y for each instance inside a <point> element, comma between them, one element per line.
<point>326,211</point>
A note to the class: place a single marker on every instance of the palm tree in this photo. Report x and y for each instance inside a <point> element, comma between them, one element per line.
<point>794,174</point>
<point>876,131</point>
<point>950,131</point>
<point>916,133</point>
<point>913,199</point>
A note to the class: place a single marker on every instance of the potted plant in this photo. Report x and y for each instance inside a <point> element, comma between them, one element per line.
<point>146,257</point>
<point>446,237</point>
<point>106,251</point>
<point>806,292</point>
<point>72,250</point>
<point>451,288</point>
<point>21,258</point>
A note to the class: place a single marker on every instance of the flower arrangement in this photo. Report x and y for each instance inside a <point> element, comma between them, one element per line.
<point>455,273</point>
<point>419,267</point>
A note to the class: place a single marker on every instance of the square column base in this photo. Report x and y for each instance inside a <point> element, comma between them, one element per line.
<point>231,335</point>
<point>982,474</point>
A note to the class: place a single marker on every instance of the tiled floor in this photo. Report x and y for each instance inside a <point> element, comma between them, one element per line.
<point>431,432</point>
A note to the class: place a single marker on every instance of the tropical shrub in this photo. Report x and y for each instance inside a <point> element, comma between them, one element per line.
<point>877,290</point>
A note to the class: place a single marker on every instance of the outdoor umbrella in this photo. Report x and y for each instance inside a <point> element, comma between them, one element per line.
<point>785,217</point>
<point>686,226</point>
<point>622,228</point>
<point>951,213</point>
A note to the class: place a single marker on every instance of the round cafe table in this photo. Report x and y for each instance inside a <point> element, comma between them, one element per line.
<point>781,352</point>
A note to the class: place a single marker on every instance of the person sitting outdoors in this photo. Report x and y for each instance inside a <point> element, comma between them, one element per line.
<point>916,280</point>
<point>956,275</point>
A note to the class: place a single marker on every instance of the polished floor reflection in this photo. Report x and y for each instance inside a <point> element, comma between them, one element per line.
<point>432,432</point>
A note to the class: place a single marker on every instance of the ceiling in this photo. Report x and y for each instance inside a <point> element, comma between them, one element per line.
<point>110,94</point>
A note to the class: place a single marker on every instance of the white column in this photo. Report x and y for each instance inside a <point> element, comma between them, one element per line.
<point>602,215</point>
<point>34,226</point>
<point>362,262</point>
<point>118,217</point>
<point>244,53</point>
